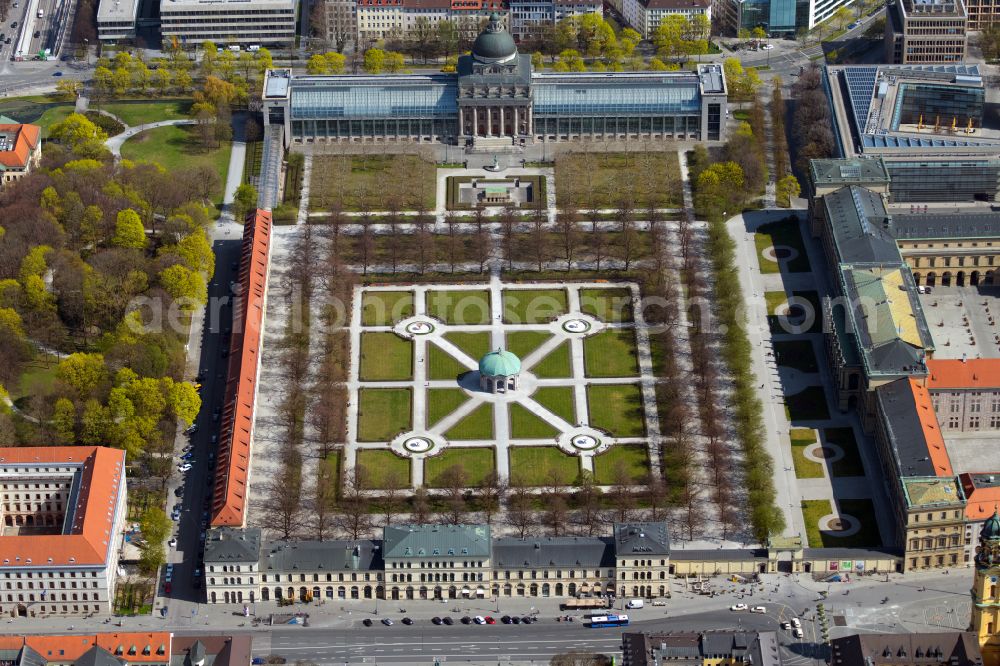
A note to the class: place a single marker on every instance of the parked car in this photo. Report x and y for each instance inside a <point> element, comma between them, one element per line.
<point>796,623</point>
<point>387,622</point>
<point>367,622</point>
<point>527,619</point>
<point>185,467</point>
<point>505,619</point>
<point>436,620</point>
<point>447,620</point>
<point>466,620</point>
<point>407,621</point>
<point>738,607</point>
<point>797,633</point>
<point>479,619</point>
<point>515,620</point>
<point>767,47</point>
<point>490,620</point>
<point>758,609</point>
<point>172,542</point>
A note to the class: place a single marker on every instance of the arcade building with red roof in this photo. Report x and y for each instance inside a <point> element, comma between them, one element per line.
<point>63,511</point>
<point>20,150</point>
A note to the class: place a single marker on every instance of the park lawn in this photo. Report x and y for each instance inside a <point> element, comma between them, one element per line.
<point>777,234</point>
<point>380,466</point>
<point>611,353</point>
<point>476,345</point>
<point>385,357</point>
<point>600,178</point>
<point>51,116</point>
<point>798,354</point>
<point>38,378</point>
<point>540,465</point>
<point>476,425</point>
<point>774,299</point>
<point>443,401</point>
<point>522,343</point>
<point>525,424</point>
<point>143,112</point>
<point>802,439</point>
<point>459,306</point>
<point>632,459</point>
<point>807,405</point>
<point>383,413</point>
<point>372,182</point>
<point>863,510</point>
<point>441,365</point>
<point>332,463</point>
<point>612,305</point>
<point>556,364</point>
<point>385,308</point>
<point>478,462</point>
<point>176,148</point>
<point>558,400</point>
<point>616,408</point>
<point>850,464</point>
<point>533,306</point>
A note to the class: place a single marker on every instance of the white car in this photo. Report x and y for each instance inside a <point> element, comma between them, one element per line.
<point>786,625</point>
<point>797,633</point>
<point>172,542</point>
<point>738,607</point>
<point>767,47</point>
<point>479,619</point>
<point>758,609</point>
<point>185,467</point>
<point>796,623</point>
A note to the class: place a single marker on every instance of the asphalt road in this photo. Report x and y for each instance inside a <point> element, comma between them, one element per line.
<point>196,484</point>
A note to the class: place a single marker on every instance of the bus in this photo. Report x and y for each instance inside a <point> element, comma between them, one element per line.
<point>601,621</point>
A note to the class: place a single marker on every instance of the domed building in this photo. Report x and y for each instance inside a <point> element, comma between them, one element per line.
<point>495,102</point>
<point>498,371</point>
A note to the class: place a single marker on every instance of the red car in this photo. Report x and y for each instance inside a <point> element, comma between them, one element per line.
<point>490,620</point>
<point>167,587</point>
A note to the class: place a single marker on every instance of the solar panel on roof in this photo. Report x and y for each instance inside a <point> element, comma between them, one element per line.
<point>850,171</point>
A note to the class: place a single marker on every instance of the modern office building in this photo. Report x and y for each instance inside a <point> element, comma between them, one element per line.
<point>228,22</point>
<point>63,511</point>
<point>777,17</point>
<point>530,17</point>
<point>20,150</point>
<point>496,102</point>
<point>925,122</point>
<point>116,20</point>
<point>982,13</point>
<point>925,31</point>
<point>645,16</point>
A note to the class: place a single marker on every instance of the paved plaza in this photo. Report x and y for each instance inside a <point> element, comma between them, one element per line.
<point>572,405</point>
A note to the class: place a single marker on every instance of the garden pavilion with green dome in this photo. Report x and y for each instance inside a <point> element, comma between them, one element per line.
<point>498,371</point>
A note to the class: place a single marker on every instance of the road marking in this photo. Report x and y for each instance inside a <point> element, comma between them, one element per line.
<point>410,645</point>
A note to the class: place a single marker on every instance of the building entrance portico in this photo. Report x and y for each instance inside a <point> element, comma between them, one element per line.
<point>499,120</point>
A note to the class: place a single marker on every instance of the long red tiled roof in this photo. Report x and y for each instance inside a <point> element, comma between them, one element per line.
<point>982,493</point>
<point>932,430</point>
<point>90,536</point>
<point>974,373</point>
<point>232,474</point>
<point>26,138</point>
<point>67,649</point>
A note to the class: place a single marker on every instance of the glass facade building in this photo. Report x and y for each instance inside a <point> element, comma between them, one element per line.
<point>932,104</point>
<point>958,181</point>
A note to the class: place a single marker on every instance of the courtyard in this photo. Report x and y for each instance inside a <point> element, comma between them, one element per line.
<point>574,399</point>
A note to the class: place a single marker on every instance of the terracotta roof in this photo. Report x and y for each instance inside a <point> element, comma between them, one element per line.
<point>232,473</point>
<point>931,429</point>
<point>233,650</point>
<point>26,138</point>
<point>957,374</point>
<point>66,649</point>
<point>90,537</point>
<point>982,493</point>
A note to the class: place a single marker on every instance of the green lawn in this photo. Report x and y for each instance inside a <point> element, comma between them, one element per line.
<point>776,298</point>
<point>777,234</point>
<point>524,424</point>
<point>808,405</point>
<point>459,307</point>
<point>850,464</point>
<point>38,377</point>
<point>611,353</point>
<point>599,179</point>
<point>533,306</point>
<point>381,466</point>
<point>176,148</point>
<point>796,354</point>
<point>556,364</point>
<point>633,460</point>
<point>383,413</point>
<point>558,400</point>
<point>611,305</point>
<point>372,182</point>
<point>540,465</point>
<point>616,408</point>
<point>474,344</point>
<point>51,116</point>
<point>802,439</point>
<point>862,509</point>
<point>441,364</point>
<point>522,343</point>
<point>385,357</point>
<point>442,402</point>
<point>477,424</point>
<point>477,462</point>
<point>140,113</point>
<point>385,308</point>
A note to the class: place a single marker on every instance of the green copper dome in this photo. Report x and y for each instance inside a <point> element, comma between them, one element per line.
<point>494,44</point>
<point>499,363</point>
<point>991,527</point>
